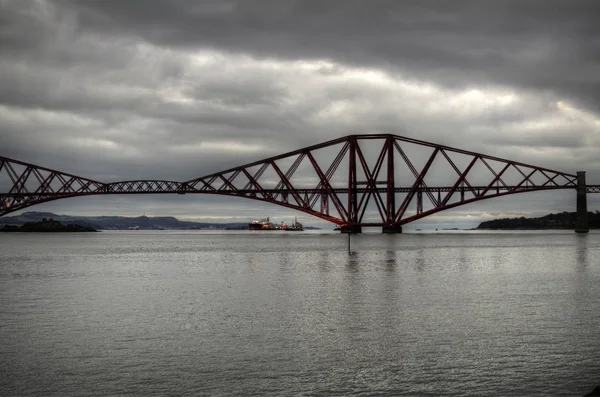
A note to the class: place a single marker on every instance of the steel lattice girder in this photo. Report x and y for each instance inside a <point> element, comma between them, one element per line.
<point>380,171</point>
<point>592,189</point>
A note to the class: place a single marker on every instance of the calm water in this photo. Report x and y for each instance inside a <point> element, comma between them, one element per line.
<point>192,313</point>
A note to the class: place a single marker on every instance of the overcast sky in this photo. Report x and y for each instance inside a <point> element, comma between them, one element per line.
<point>117,90</point>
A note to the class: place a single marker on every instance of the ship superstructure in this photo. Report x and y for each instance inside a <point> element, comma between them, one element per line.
<point>265,224</point>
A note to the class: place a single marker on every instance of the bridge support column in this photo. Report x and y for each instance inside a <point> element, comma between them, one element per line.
<point>353,229</point>
<point>391,229</point>
<point>581,222</point>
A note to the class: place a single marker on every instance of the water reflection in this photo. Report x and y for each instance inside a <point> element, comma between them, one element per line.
<point>497,258</point>
<point>419,264</point>
<point>254,260</point>
<point>284,260</point>
<point>324,262</point>
<point>390,260</point>
<point>464,264</point>
<point>582,251</point>
<point>353,262</point>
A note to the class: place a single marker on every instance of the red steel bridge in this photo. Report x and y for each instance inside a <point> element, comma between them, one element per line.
<point>354,181</point>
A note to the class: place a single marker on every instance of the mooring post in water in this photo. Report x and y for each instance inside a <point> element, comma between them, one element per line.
<point>581,222</point>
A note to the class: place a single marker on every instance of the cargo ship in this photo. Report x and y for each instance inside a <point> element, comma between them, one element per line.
<point>265,224</point>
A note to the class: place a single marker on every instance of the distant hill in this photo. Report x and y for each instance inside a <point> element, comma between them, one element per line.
<point>563,220</point>
<point>123,222</point>
<point>117,222</point>
<point>46,226</point>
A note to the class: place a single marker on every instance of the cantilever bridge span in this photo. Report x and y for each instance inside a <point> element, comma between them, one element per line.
<point>354,181</point>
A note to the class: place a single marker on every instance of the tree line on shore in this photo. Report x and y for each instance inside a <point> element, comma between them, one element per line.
<point>562,220</point>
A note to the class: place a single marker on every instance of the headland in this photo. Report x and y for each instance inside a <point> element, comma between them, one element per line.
<point>563,220</point>
<point>46,226</point>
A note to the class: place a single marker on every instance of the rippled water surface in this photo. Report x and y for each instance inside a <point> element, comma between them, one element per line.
<point>195,313</point>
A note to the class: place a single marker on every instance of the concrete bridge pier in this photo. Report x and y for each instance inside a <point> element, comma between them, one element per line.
<point>391,229</point>
<point>353,229</point>
<point>581,222</point>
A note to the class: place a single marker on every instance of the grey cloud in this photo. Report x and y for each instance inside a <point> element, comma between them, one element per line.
<point>540,44</point>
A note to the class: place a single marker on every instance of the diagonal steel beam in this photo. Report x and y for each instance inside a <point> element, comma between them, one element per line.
<point>417,183</point>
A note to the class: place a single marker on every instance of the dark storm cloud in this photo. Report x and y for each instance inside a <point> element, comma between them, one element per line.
<point>544,44</point>
<point>119,90</point>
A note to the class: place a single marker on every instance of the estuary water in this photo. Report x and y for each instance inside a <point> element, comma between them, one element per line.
<point>168,313</point>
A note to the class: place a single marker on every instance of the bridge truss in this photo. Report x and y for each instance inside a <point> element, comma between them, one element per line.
<point>358,180</point>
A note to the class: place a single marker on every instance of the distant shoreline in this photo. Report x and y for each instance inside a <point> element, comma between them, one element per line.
<point>125,223</point>
<point>560,221</point>
<point>46,226</point>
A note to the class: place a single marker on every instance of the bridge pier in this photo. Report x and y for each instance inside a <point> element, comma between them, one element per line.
<point>353,229</point>
<point>391,229</point>
<point>581,222</point>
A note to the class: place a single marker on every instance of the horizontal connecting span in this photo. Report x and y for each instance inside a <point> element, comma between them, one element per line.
<point>476,190</point>
<point>592,188</point>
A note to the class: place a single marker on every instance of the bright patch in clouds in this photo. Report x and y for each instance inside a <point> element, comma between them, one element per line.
<point>219,146</point>
<point>577,114</point>
<point>103,144</point>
